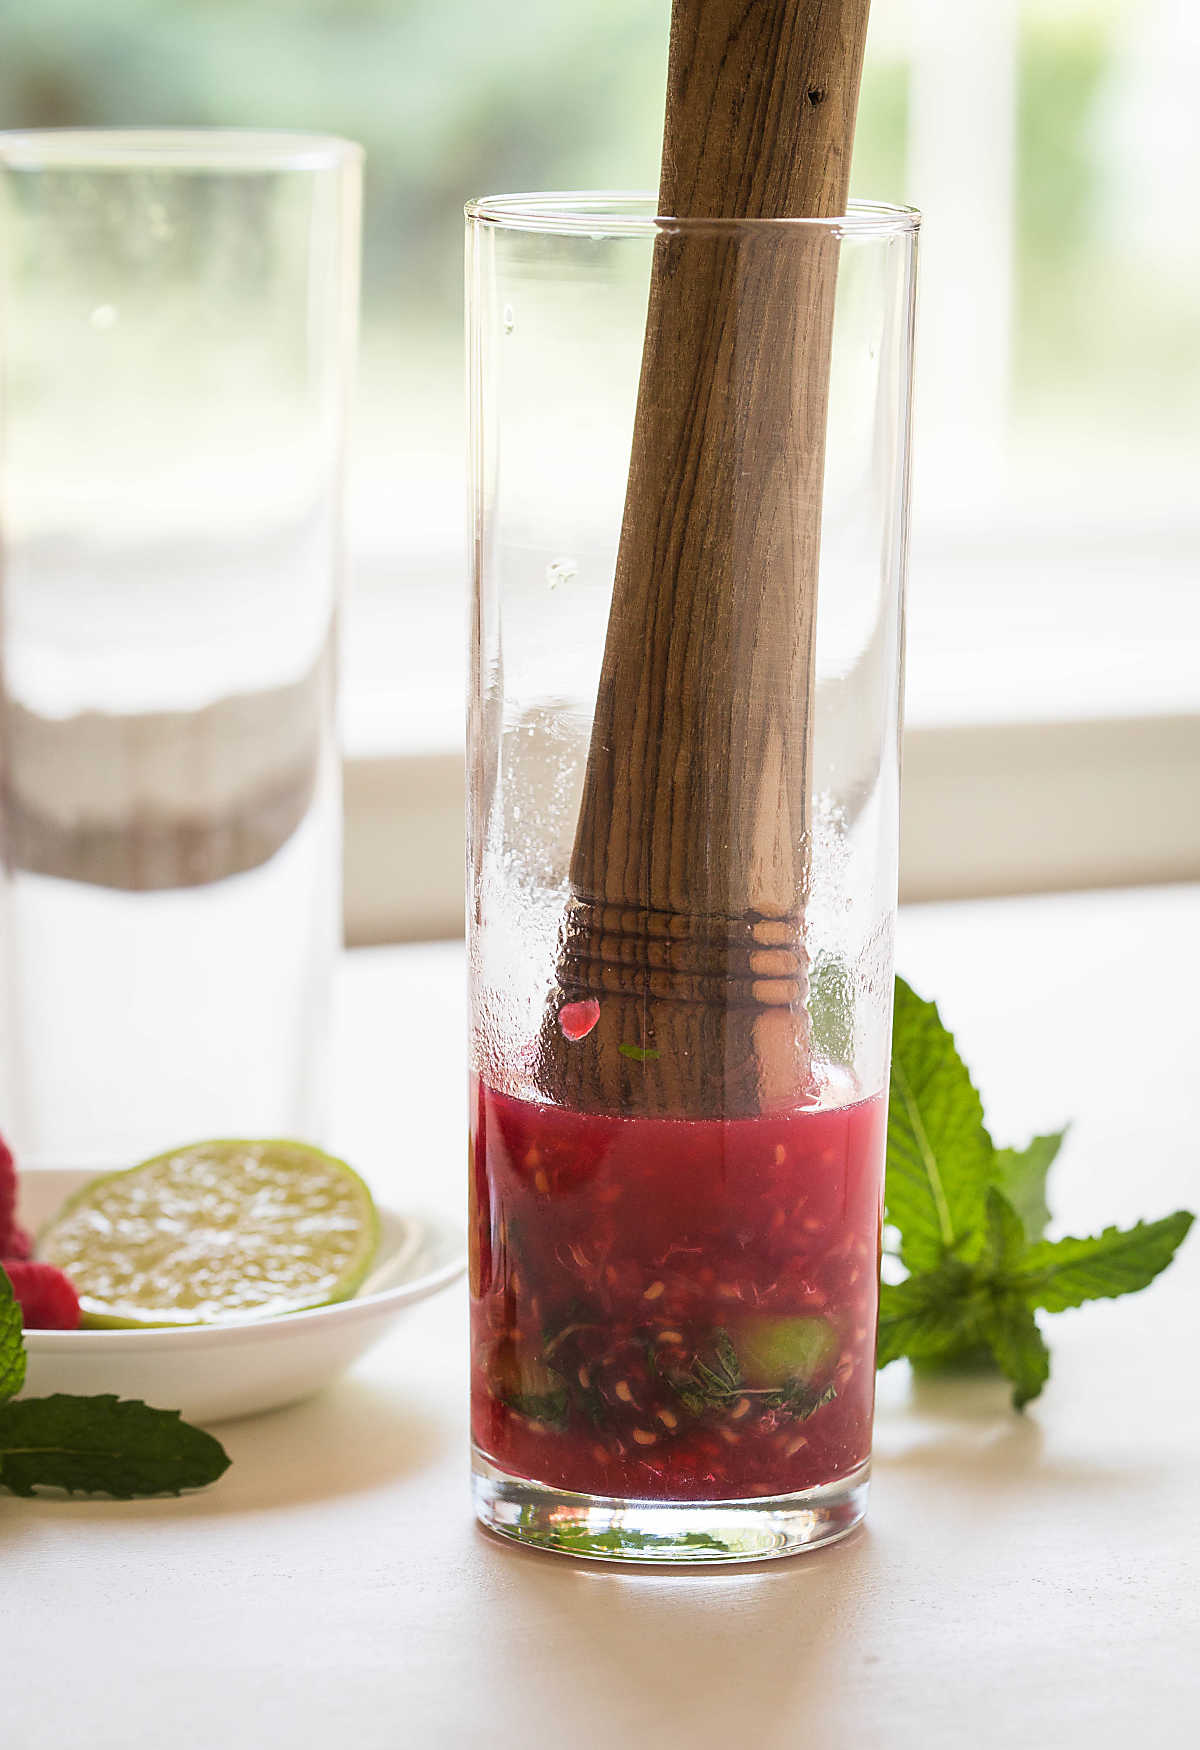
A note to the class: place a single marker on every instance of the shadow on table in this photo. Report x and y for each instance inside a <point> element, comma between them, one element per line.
<point>17,1526</point>
<point>753,1653</point>
<point>350,1439</point>
<point>965,1427</point>
<point>964,1422</point>
<point>774,1654</point>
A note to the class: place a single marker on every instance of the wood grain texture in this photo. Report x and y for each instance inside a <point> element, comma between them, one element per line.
<point>690,861</point>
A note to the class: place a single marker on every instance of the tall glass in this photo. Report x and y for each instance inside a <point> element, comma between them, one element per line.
<point>177,322</point>
<point>682,865</point>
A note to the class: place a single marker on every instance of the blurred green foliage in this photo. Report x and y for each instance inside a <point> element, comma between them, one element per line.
<point>1061,74</point>
<point>464,97</point>
<point>1102,327</point>
<point>450,100</point>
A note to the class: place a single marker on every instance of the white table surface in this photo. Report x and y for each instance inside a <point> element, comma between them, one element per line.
<point>1021,1581</point>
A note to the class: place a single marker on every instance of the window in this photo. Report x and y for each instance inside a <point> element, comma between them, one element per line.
<point>1053,678</point>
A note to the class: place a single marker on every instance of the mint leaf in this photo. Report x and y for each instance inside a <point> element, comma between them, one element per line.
<point>1005,1243</point>
<point>581,1540</point>
<point>800,1400</point>
<point>939,1156</point>
<point>971,1218</point>
<point>726,1359</point>
<point>100,1445</point>
<point>716,1382</point>
<point>551,1408</point>
<point>12,1343</point>
<point>967,1315</point>
<point>92,1445</point>
<point>927,1313</point>
<point>1057,1274</point>
<point>639,1053</point>
<point>1021,1175</point>
<point>1010,1330</point>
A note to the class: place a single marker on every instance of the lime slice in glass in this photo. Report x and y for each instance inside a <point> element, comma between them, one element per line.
<point>214,1233</point>
<point>776,1350</point>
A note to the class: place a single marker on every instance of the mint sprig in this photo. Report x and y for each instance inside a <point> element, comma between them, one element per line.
<point>92,1445</point>
<point>971,1218</point>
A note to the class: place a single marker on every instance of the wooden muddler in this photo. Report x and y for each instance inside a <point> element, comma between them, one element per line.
<point>690,865</point>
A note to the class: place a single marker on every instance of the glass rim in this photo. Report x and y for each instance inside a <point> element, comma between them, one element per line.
<point>619,213</point>
<point>174,149</point>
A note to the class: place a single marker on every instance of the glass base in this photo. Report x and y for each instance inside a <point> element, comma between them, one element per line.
<point>607,1528</point>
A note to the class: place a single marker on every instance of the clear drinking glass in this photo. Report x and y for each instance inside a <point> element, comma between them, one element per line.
<point>682,836</point>
<point>177,323</point>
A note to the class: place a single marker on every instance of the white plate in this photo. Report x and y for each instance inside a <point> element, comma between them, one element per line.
<point>214,1372</point>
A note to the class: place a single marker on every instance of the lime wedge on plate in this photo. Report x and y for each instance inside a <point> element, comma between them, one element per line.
<point>215,1233</point>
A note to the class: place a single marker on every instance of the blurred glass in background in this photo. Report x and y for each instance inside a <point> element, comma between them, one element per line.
<point>1053,149</point>
<point>176,342</point>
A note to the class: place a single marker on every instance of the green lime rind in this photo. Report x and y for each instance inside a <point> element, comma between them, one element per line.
<point>774,1350</point>
<point>219,1232</point>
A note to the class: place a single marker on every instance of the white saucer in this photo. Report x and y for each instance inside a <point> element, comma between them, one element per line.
<point>215,1372</point>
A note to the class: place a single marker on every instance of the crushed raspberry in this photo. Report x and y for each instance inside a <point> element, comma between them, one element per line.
<point>8,1199</point>
<point>48,1299</point>
<point>578,1019</point>
<point>674,1308</point>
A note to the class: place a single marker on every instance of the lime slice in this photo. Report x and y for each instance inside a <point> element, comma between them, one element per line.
<point>775,1350</point>
<point>215,1233</point>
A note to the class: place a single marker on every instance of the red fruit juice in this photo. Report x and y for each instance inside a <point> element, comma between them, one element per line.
<point>674,1309</point>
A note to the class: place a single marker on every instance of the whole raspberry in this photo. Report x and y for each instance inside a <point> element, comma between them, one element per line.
<point>48,1299</point>
<point>8,1198</point>
<point>20,1245</point>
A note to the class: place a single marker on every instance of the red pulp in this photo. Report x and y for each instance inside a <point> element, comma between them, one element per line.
<point>674,1309</point>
